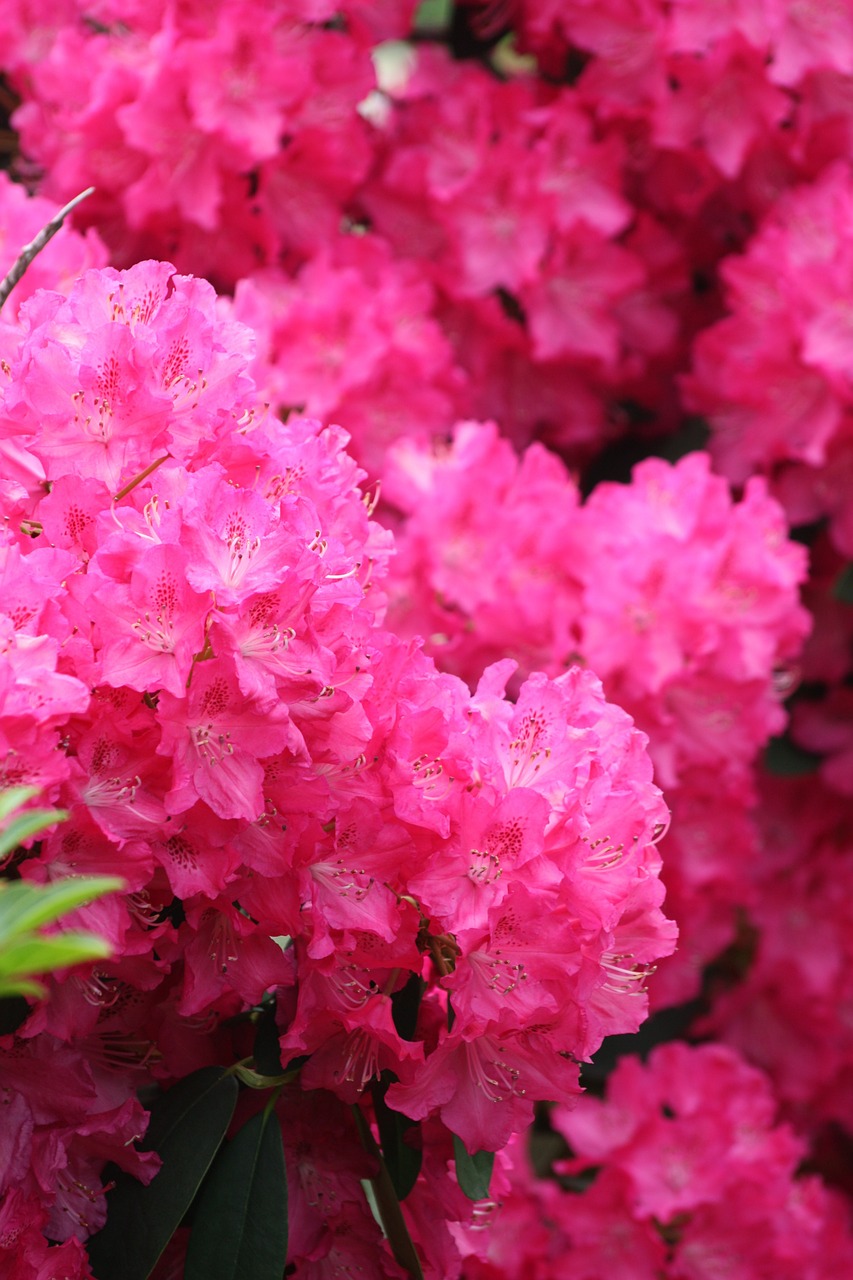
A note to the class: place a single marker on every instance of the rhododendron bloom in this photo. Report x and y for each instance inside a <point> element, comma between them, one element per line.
<point>215,741</point>
<point>682,601</point>
<point>377,753</point>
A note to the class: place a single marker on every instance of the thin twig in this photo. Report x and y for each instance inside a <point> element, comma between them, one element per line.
<point>143,475</point>
<point>35,246</point>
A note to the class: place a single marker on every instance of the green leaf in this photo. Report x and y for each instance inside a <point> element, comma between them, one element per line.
<point>843,587</point>
<point>23,957</point>
<point>386,1205</point>
<point>402,1160</point>
<point>786,760</point>
<point>23,987</point>
<point>25,906</point>
<point>27,825</point>
<point>14,1011</point>
<point>11,798</point>
<point>266,1051</point>
<point>187,1127</point>
<point>473,1173</point>
<point>405,1005</point>
<point>433,15</point>
<point>240,1225</point>
<point>257,1079</point>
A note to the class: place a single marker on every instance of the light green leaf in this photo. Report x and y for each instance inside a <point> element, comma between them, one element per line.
<point>25,906</point>
<point>22,987</point>
<point>11,798</point>
<point>255,1080</point>
<point>433,15</point>
<point>28,824</point>
<point>30,955</point>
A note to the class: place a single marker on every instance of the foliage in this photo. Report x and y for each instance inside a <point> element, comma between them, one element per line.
<point>25,908</point>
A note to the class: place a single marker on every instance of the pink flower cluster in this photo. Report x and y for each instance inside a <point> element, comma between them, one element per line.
<point>299,802</point>
<point>506,191</point>
<point>430,869</point>
<point>450,305</point>
<point>682,1172</point>
<point>634,48</point>
<point>793,1010</point>
<point>63,1118</point>
<point>565,217</point>
<point>352,338</point>
<point>773,377</point>
<point>229,133</point>
<point>726,105</point>
<point>682,601</point>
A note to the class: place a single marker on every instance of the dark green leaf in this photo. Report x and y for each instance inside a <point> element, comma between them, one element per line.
<point>294,1065</point>
<point>402,1159</point>
<point>692,435</point>
<point>187,1127</point>
<point>843,588</point>
<point>473,1173</point>
<point>387,1206</point>
<point>14,1011</point>
<point>786,760</point>
<point>265,1050</point>
<point>807,534</point>
<point>240,1226</point>
<point>405,1004</point>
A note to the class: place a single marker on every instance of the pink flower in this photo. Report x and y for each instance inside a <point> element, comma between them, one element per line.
<point>475,871</point>
<point>483,1084</point>
<point>570,305</point>
<point>151,627</point>
<point>216,740</point>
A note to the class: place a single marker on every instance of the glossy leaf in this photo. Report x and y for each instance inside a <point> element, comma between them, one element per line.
<point>473,1173</point>
<point>386,1205</point>
<point>402,1158</point>
<point>785,759</point>
<point>14,1011</point>
<point>240,1226</point>
<point>187,1127</point>
<point>405,1006</point>
<point>266,1051</point>
<point>843,587</point>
